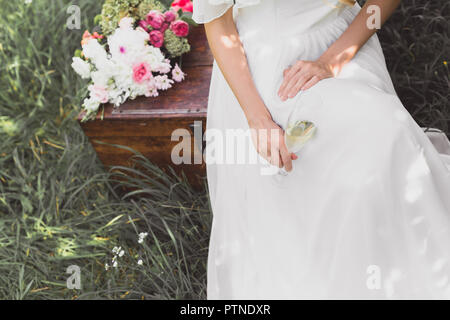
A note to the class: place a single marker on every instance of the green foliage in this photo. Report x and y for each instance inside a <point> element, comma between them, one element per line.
<point>57,206</point>
<point>114,10</point>
<point>176,46</point>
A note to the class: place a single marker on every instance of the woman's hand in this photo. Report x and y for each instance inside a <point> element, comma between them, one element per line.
<point>302,76</point>
<point>268,139</point>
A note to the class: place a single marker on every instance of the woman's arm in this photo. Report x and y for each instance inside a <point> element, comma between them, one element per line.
<point>304,74</point>
<point>229,54</point>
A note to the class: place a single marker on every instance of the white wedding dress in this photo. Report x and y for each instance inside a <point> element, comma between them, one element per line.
<point>364,214</point>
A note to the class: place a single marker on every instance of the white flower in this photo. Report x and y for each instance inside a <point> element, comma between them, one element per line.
<point>99,93</point>
<point>116,96</point>
<point>94,50</point>
<point>128,45</point>
<point>163,67</point>
<point>140,262</point>
<point>106,266</point>
<point>91,104</point>
<point>116,250</point>
<point>126,22</point>
<point>142,236</point>
<point>121,253</point>
<point>177,74</point>
<point>115,264</point>
<point>81,67</point>
<point>100,78</point>
<point>152,92</point>
<point>163,82</point>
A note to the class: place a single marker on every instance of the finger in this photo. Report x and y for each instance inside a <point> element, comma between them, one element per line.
<point>295,68</point>
<point>275,147</point>
<point>298,85</point>
<point>294,86</point>
<point>286,157</point>
<point>284,92</point>
<point>275,159</point>
<point>294,156</point>
<point>263,144</point>
<point>289,75</point>
<point>314,80</point>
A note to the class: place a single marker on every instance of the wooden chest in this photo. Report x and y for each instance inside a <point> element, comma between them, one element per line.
<point>146,124</point>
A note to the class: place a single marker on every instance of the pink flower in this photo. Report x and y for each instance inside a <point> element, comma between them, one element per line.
<point>156,38</point>
<point>152,91</point>
<point>180,28</point>
<point>141,72</point>
<point>144,25</point>
<point>177,74</point>
<point>99,93</point>
<point>185,5</point>
<point>163,82</point>
<point>170,15</point>
<point>155,19</point>
<point>164,27</point>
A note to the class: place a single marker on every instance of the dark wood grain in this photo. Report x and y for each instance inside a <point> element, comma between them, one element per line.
<point>146,124</point>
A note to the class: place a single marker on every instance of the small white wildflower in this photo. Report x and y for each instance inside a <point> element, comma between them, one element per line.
<point>116,250</point>
<point>106,266</point>
<point>115,264</point>
<point>142,236</point>
<point>121,253</point>
<point>140,262</point>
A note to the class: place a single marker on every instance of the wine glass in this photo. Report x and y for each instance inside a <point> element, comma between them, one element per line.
<point>299,130</point>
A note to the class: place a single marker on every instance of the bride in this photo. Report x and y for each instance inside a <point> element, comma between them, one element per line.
<point>363,211</point>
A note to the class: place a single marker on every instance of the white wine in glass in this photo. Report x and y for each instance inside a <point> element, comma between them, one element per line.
<point>298,133</point>
<point>299,130</point>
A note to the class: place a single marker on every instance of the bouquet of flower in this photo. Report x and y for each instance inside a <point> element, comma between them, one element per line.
<point>133,59</point>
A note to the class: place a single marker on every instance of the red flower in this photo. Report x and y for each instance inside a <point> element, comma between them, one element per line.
<point>144,25</point>
<point>170,15</point>
<point>155,19</point>
<point>180,28</point>
<point>156,38</point>
<point>185,5</point>
<point>164,27</point>
<point>141,72</point>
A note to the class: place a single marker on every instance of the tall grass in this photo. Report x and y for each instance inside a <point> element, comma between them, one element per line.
<point>416,44</point>
<point>58,206</point>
